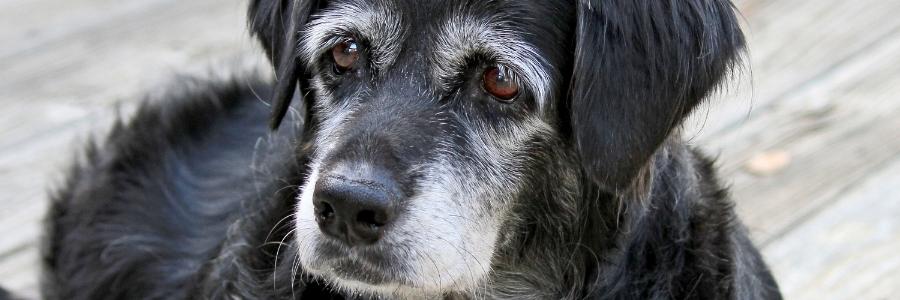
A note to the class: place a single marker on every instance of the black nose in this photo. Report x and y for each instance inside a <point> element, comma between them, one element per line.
<point>354,210</point>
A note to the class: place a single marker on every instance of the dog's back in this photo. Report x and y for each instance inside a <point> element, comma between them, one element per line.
<point>165,194</point>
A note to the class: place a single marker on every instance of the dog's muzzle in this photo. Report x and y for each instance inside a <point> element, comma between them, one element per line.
<point>355,207</point>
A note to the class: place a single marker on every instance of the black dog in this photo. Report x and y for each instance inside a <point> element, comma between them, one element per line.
<point>437,149</point>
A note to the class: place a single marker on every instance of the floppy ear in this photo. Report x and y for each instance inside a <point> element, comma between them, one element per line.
<point>277,24</point>
<point>640,67</point>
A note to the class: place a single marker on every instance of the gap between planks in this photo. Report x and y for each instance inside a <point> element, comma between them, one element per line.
<point>848,250</point>
<point>839,109</point>
<point>791,43</point>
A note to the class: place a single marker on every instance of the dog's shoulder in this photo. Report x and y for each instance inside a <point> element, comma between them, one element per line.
<point>150,203</point>
<point>685,240</point>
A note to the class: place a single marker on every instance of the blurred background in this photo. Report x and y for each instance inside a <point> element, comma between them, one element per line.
<point>808,136</point>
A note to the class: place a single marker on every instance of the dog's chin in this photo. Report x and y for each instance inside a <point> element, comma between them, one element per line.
<point>354,276</point>
<point>353,272</point>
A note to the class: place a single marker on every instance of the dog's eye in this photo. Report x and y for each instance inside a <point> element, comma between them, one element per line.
<point>499,82</point>
<point>345,55</point>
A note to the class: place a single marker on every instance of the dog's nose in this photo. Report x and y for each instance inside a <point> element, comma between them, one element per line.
<point>355,211</point>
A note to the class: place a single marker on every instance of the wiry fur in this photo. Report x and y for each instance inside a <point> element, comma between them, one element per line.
<point>580,188</point>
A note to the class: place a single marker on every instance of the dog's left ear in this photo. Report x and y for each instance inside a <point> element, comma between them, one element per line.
<point>640,67</point>
<point>277,24</point>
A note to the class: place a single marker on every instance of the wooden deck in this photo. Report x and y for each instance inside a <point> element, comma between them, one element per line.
<point>811,145</point>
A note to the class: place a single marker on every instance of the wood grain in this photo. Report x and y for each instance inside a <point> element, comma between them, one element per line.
<point>35,24</point>
<point>849,250</point>
<point>78,76</point>
<point>836,133</point>
<point>793,44</point>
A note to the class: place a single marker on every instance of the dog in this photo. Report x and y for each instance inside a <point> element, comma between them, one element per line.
<point>423,150</point>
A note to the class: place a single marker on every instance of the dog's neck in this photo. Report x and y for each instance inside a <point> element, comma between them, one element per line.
<point>634,233</point>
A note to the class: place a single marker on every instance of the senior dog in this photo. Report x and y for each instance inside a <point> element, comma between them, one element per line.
<point>434,149</point>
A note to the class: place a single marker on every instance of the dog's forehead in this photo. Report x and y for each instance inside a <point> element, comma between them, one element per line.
<point>421,21</point>
<point>523,35</point>
<point>428,15</point>
<point>418,17</point>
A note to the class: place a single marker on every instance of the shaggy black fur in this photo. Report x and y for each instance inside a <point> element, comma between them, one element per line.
<point>4,295</point>
<point>180,201</point>
<point>190,198</point>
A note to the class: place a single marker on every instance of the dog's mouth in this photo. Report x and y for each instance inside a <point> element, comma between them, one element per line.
<point>359,266</point>
<point>352,270</point>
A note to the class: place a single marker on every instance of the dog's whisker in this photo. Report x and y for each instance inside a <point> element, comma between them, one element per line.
<point>277,255</point>
<point>277,224</point>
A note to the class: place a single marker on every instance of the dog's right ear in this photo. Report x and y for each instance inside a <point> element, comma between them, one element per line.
<point>277,24</point>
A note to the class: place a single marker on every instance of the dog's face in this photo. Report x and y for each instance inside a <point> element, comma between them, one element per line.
<point>430,117</point>
<point>430,122</point>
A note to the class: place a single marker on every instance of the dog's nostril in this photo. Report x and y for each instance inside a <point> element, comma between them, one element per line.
<point>370,218</point>
<point>324,211</point>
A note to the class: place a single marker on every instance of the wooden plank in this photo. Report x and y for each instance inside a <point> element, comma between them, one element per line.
<point>32,169</point>
<point>849,250</point>
<point>90,71</point>
<point>794,44</point>
<point>29,172</point>
<point>836,131</point>
<point>41,23</point>
<point>20,272</point>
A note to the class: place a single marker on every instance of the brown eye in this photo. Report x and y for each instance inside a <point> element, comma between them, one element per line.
<point>345,55</point>
<point>499,82</point>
